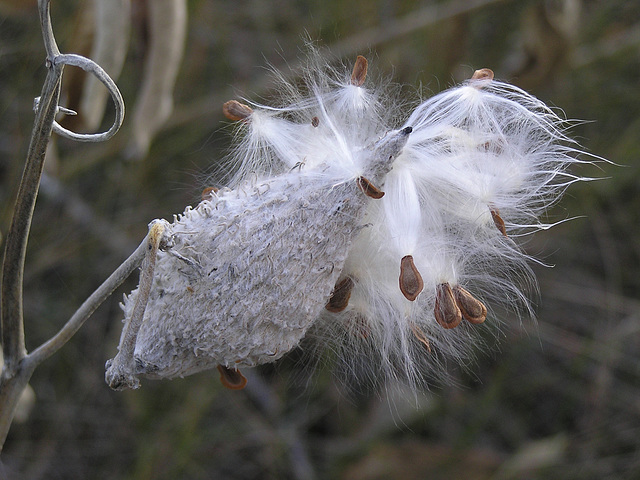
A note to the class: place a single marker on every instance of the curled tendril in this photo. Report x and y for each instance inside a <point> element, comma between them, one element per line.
<point>57,60</point>
<point>92,67</point>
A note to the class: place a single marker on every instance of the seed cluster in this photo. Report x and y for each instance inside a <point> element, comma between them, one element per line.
<point>350,227</point>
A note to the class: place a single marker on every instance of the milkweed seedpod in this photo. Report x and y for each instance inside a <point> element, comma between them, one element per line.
<point>305,241</point>
<point>250,270</point>
<point>168,28</point>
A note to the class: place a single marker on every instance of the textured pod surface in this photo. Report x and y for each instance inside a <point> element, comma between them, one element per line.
<point>322,192</point>
<point>251,276</point>
<point>250,270</point>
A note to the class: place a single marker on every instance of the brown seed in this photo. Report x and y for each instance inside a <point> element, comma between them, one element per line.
<point>473,310</point>
<point>236,111</point>
<point>482,74</point>
<point>207,193</point>
<point>420,336</point>
<point>497,220</point>
<point>231,378</point>
<point>411,283</point>
<point>369,189</point>
<point>359,74</point>
<point>340,297</point>
<point>315,121</point>
<point>446,310</point>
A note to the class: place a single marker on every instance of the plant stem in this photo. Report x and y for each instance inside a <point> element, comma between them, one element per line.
<point>16,242</point>
<point>18,366</point>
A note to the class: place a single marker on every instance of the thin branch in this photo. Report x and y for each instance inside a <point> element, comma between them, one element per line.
<point>18,366</point>
<point>120,372</point>
<point>89,306</point>
<point>16,243</point>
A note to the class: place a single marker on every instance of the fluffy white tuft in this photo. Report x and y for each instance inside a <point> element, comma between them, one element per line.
<point>481,153</point>
<point>425,264</point>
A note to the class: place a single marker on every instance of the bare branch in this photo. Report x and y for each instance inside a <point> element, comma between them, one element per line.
<point>18,366</point>
<point>89,306</point>
<point>16,242</point>
<point>121,370</point>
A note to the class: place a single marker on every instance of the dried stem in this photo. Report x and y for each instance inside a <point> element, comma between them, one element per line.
<point>88,307</point>
<point>16,242</point>
<point>121,370</point>
<point>19,366</point>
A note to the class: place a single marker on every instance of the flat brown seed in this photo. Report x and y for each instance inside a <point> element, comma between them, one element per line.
<point>497,220</point>
<point>473,310</point>
<point>482,74</point>
<point>315,121</point>
<point>411,283</point>
<point>236,111</point>
<point>446,310</point>
<point>420,336</point>
<point>369,189</point>
<point>340,297</point>
<point>207,193</point>
<point>231,378</point>
<point>359,74</point>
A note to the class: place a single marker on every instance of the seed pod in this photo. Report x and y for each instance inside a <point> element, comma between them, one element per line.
<point>473,310</point>
<point>112,25</point>
<point>231,378</point>
<point>359,74</point>
<point>236,111</point>
<point>482,74</point>
<point>411,283</point>
<point>261,262</point>
<point>154,105</point>
<point>369,189</point>
<point>497,220</point>
<point>446,310</point>
<point>340,297</point>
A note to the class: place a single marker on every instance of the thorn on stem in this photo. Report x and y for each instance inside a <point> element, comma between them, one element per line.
<point>231,378</point>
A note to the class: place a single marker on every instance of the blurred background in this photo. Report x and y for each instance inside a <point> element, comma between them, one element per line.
<point>556,398</point>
